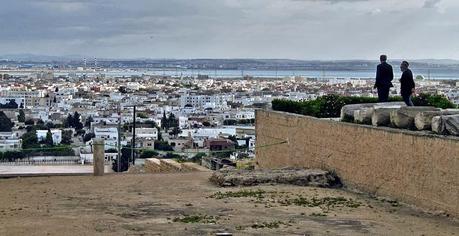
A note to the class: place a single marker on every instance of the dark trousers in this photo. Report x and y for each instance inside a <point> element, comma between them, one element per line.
<point>383,94</point>
<point>407,100</point>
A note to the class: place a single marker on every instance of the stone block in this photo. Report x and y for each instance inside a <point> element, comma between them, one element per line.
<point>301,177</point>
<point>452,124</point>
<point>446,125</point>
<point>404,117</point>
<point>423,120</point>
<point>347,111</point>
<point>363,116</point>
<point>381,116</point>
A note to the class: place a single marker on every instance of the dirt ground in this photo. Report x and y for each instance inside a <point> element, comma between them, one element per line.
<point>187,204</point>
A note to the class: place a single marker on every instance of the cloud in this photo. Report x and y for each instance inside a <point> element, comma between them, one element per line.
<point>308,29</point>
<point>431,3</point>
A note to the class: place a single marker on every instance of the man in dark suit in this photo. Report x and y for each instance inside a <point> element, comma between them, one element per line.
<point>384,77</point>
<point>407,86</point>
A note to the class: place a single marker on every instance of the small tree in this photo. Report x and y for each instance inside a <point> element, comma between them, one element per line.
<point>198,157</point>
<point>142,115</point>
<point>5,123</point>
<point>88,121</point>
<point>88,137</point>
<point>21,116</point>
<point>67,137</point>
<point>77,122</point>
<point>49,139</point>
<point>148,154</point>
<point>164,121</point>
<point>29,122</point>
<point>124,164</point>
<point>68,121</point>
<point>175,131</point>
<point>29,139</point>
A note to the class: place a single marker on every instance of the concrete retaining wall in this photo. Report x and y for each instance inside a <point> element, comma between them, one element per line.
<point>412,167</point>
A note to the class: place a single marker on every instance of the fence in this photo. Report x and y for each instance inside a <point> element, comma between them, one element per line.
<point>26,162</point>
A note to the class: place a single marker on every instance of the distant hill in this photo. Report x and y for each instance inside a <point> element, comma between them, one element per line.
<point>39,58</point>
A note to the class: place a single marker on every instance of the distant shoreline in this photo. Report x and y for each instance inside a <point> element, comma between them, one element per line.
<point>440,74</point>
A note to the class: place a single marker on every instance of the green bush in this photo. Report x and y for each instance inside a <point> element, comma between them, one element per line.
<point>433,100</point>
<point>59,150</point>
<point>11,155</point>
<point>330,105</point>
<point>148,154</point>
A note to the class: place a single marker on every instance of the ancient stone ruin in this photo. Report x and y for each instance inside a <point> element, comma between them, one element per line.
<point>397,115</point>
<point>300,177</point>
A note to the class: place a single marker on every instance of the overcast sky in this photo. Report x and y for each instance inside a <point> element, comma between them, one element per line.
<point>296,29</point>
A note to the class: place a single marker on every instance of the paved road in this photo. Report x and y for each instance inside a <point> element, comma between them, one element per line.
<point>11,171</point>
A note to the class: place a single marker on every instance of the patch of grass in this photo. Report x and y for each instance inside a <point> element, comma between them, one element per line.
<point>133,227</point>
<point>265,225</point>
<point>196,219</point>
<point>324,203</point>
<point>318,214</point>
<point>269,225</point>
<point>239,194</point>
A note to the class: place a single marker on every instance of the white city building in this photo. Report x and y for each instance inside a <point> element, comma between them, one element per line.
<point>148,133</point>
<point>109,134</point>
<point>206,101</point>
<point>10,141</point>
<point>56,134</point>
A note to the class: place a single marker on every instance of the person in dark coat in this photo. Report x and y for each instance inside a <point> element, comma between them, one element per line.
<point>407,86</point>
<point>384,77</point>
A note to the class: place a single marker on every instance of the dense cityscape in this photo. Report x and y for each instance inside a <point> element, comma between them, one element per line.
<point>229,117</point>
<point>184,116</point>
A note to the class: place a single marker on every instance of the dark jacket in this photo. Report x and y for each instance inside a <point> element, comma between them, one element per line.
<point>384,76</point>
<point>407,82</point>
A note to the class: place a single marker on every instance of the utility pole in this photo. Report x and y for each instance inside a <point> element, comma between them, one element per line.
<point>133,139</point>
<point>119,139</point>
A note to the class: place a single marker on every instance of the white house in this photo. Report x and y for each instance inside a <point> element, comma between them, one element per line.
<point>55,133</point>
<point>109,134</point>
<point>89,157</point>
<point>9,141</point>
<point>149,133</point>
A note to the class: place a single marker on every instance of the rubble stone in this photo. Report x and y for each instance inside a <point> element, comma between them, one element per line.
<point>452,124</point>
<point>301,177</point>
<point>423,120</point>
<point>446,125</point>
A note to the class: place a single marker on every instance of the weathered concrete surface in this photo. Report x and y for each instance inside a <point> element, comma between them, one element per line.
<point>301,177</point>
<point>423,120</point>
<point>151,204</point>
<point>29,171</point>
<point>414,167</point>
<point>404,117</point>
